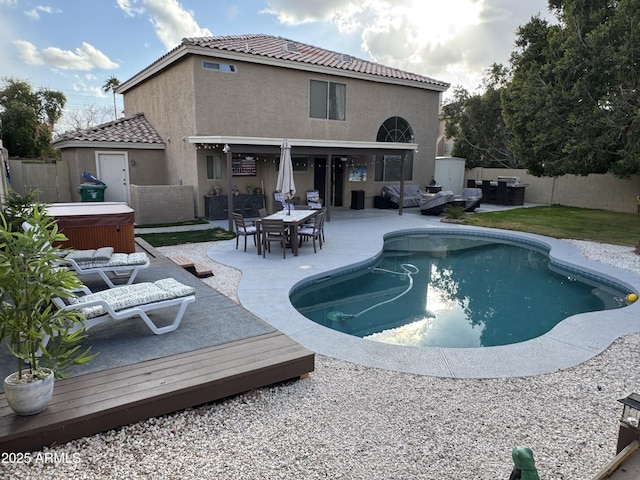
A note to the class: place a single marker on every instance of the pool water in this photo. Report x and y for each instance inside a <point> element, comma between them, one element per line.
<point>453,291</point>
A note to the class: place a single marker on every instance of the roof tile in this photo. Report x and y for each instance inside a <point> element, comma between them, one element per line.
<point>133,129</point>
<point>274,47</point>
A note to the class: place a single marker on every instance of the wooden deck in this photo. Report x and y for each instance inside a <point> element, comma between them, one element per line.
<point>97,402</point>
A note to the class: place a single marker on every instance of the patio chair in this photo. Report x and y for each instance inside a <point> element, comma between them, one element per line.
<point>313,200</point>
<point>273,230</point>
<point>472,198</point>
<point>279,197</point>
<point>262,212</point>
<point>245,230</point>
<point>502,194</point>
<point>107,264</point>
<point>128,301</point>
<point>313,231</point>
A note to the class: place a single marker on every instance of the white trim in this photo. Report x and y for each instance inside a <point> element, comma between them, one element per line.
<point>98,144</point>
<point>300,142</point>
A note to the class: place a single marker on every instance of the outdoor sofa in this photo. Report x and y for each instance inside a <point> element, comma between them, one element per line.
<point>412,195</point>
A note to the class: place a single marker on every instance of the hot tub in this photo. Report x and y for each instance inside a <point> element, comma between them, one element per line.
<point>91,225</point>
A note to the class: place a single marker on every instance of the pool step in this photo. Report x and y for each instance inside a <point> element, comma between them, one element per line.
<point>196,269</point>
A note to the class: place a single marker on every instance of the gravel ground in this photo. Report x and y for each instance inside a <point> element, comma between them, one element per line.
<point>351,422</point>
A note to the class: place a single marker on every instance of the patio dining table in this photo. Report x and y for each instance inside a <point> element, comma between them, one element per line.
<point>292,220</point>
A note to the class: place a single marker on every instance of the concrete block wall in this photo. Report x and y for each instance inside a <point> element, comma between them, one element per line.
<point>604,192</point>
<point>154,204</point>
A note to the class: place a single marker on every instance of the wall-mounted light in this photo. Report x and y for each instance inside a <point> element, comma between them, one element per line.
<point>132,162</point>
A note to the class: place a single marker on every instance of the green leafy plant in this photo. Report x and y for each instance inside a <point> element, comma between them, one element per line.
<point>18,208</point>
<point>454,212</point>
<point>29,279</point>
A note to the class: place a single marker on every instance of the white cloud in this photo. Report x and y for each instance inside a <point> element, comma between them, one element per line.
<point>34,14</point>
<point>10,3</point>
<point>129,9</point>
<point>170,20</point>
<point>454,41</point>
<point>86,57</point>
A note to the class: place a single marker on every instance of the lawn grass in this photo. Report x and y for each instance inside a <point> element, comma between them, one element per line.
<point>566,222</point>
<point>192,236</point>
<point>195,221</point>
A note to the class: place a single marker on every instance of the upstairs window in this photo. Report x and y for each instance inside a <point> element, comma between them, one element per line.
<point>222,67</point>
<point>327,100</point>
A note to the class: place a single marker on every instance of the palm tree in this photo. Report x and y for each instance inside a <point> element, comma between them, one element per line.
<point>110,86</point>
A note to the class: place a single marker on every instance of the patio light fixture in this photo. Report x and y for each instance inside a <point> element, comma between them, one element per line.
<point>629,421</point>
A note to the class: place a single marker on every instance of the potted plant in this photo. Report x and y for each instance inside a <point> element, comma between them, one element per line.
<point>251,188</point>
<point>217,188</point>
<point>37,333</point>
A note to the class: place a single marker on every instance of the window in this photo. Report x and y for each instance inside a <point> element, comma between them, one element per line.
<point>395,129</point>
<point>300,163</point>
<point>327,100</point>
<point>223,67</point>
<point>387,168</point>
<point>214,167</point>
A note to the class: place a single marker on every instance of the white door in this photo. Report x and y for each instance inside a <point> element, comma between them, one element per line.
<point>113,169</point>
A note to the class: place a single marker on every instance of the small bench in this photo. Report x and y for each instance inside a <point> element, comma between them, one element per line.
<point>196,269</point>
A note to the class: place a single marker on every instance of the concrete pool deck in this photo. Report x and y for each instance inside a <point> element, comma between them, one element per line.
<point>353,237</point>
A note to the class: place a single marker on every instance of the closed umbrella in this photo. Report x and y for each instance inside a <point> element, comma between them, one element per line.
<point>285,182</point>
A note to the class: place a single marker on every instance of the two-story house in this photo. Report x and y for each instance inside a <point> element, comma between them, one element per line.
<point>352,124</point>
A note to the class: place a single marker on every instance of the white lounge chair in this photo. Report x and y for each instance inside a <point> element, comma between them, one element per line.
<point>107,264</point>
<point>127,301</point>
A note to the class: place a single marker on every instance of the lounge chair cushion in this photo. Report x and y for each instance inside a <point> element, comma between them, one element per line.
<point>104,257</point>
<point>120,298</point>
<point>100,255</point>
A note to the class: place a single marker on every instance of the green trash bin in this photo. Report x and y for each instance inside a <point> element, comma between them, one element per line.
<point>90,192</point>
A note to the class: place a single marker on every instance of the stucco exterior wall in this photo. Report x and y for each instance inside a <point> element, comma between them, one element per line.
<point>168,103</point>
<point>154,204</point>
<point>146,167</point>
<point>605,192</point>
<point>269,101</point>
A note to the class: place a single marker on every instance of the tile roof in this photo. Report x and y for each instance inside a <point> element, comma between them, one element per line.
<point>133,129</point>
<point>284,49</point>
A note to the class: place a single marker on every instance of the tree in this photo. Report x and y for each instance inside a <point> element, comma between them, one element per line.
<point>573,103</point>
<point>110,86</point>
<point>79,119</point>
<point>475,123</point>
<point>28,118</point>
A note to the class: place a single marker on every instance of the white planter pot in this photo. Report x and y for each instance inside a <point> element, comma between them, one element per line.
<point>28,398</point>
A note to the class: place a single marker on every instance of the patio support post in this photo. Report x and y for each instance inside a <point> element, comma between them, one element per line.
<point>227,150</point>
<point>402,162</point>
<point>327,187</point>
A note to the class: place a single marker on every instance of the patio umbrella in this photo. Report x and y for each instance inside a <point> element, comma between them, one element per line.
<point>285,183</point>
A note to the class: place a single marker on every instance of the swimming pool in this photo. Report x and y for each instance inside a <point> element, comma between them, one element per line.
<point>455,291</point>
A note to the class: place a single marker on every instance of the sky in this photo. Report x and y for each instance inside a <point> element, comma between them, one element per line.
<point>74,46</point>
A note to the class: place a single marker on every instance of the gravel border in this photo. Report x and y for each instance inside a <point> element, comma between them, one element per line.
<point>347,421</point>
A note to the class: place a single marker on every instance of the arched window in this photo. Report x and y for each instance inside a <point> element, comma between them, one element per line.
<point>395,129</point>
<point>387,168</point>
